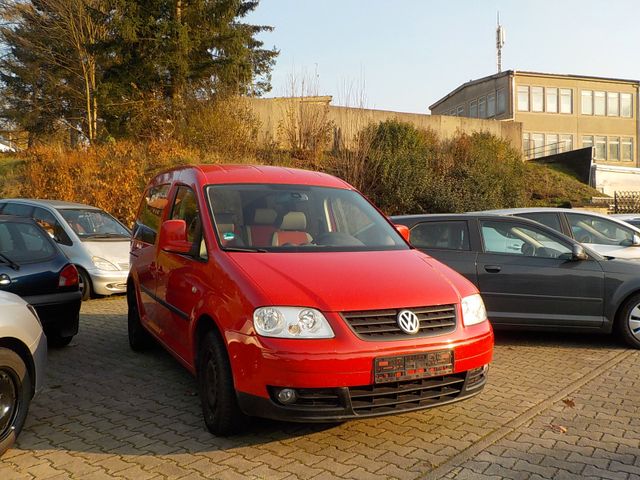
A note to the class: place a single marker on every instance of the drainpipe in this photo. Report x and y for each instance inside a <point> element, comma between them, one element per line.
<point>637,125</point>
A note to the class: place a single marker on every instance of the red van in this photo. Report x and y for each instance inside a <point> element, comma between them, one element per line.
<point>291,297</point>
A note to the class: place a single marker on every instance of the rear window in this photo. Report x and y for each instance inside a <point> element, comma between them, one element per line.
<point>24,243</point>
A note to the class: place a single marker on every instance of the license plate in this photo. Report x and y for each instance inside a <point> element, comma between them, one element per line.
<point>408,367</point>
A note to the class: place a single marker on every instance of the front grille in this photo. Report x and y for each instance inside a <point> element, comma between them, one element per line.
<point>405,395</point>
<point>383,325</point>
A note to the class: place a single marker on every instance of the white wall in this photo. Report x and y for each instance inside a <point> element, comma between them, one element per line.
<point>609,179</point>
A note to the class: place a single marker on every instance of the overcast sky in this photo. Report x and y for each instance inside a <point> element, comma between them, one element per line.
<point>410,53</point>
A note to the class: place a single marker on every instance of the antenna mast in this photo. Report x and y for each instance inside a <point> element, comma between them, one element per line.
<point>499,43</point>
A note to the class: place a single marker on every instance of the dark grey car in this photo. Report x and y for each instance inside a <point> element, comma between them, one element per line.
<point>531,276</point>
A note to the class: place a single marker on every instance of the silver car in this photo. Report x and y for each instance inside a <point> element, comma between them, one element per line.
<point>608,236</point>
<point>94,241</point>
<point>23,354</point>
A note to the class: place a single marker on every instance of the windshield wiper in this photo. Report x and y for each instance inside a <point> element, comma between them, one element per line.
<point>244,249</point>
<point>105,235</point>
<point>9,262</point>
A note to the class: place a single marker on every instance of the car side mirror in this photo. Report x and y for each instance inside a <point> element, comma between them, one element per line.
<point>635,242</point>
<point>578,253</point>
<point>173,237</point>
<point>403,230</point>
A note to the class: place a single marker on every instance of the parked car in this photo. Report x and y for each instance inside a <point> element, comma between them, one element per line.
<point>33,267</point>
<point>23,354</point>
<point>290,296</point>
<point>630,218</point>
<point>96,243</point>
<point>606,235</point>
<point>532,277</point>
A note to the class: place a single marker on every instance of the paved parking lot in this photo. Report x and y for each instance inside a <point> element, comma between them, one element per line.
<point>555,407</point>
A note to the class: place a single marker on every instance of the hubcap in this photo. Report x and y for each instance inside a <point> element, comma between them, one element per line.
<point>8,401</point>
<point>634,321</point>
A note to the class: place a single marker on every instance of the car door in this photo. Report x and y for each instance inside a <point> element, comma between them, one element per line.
<point>448,241</point>
<point>527,277</point>
<point>181,278</point>
<point>143,252</point>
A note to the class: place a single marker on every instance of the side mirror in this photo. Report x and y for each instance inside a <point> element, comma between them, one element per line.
<point>403,230</point>
<point>578,253</point>
<point>635,242</point>
<point>173,237</point>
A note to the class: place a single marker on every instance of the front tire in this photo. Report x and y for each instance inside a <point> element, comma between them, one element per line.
<point>85,284</point>
<point>139,339</point>
<point>220,409</point>
<point>628,321</point>
<point>58,341</point>
<point>15,395</point>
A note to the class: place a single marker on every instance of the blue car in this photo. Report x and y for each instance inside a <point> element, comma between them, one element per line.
<point>33,267</point>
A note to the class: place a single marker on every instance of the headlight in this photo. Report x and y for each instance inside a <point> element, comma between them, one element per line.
<point>473,310</point>
<point>291,322</point>
<point>103,264</point>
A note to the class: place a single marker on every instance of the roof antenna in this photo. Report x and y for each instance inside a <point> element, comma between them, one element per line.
<point>499,43</point>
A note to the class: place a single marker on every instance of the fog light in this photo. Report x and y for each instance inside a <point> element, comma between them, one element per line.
<point>287,396</point>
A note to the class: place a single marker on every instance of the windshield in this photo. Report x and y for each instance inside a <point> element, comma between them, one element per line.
<point>284,218</point>
<point>94,224</point>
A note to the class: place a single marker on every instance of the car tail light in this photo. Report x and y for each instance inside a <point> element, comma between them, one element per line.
<point>68,276</point>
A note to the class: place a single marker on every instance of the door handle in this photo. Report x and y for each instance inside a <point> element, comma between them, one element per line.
<point>492,268</point>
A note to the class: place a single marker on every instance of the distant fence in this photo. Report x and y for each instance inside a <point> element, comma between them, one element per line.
<point>626,202</point>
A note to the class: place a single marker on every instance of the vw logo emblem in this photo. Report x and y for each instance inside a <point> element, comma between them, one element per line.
<point>408,322</point>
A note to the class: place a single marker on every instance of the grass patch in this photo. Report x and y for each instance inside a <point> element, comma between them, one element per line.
<point>554,186</point>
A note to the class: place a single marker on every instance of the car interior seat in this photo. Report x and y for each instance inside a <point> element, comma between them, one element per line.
<point>292,230</point>
<point>260,232</point>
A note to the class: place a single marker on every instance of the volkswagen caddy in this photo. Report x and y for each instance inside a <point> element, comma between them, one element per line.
<point>289,296</point>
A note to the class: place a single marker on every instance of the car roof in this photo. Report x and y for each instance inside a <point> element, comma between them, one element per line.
<point>238,174</point>
<point>454,216</point>
<point>57,204</point>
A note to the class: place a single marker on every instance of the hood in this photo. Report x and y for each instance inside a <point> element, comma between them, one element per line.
<point>117,252</point>
<point>616,251</point>
<point>348,281</point>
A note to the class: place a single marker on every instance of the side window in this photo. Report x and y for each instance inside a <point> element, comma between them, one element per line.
<point>147,224</point>
<point>17,209</point>
<point>51,225</point>
<point>591,229</point>
<point>185,207</point>
<point>517,239</point>
<point>551,220</point>
<point>445,235</point>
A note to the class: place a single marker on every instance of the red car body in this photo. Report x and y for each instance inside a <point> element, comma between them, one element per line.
<point>178,299</point>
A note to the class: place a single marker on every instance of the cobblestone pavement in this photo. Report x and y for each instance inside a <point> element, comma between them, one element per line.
<point>555,407</point>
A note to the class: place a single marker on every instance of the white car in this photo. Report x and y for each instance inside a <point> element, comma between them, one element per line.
<point>630,218</point>
<point>23,354</point>
<point>95,242</point>
<point>606,235</point>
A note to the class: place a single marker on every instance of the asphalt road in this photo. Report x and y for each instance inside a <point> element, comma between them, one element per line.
<point>556,406</point>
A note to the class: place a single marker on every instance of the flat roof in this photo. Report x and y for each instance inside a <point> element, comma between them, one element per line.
<point>537,74</point>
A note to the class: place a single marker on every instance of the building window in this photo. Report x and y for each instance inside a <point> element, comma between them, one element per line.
<point>552,100</point>
<point>502,101</point>
<point>587,141</point>
<point>614,148</point>
<point>612,104</point>
<point>601,148</point>
<point>552,144</point>
<point>598,103</point>
<point>587,102</point>
<point>537,99</point>
<point>537,144</point>
<point>491,105</point>
<point>566,100</point>
<point>523,98</point>
<point>482,107</point>
<point>566,143</point>
<point>626,149</point>
<point>526,139</point>
<point>626,105</point>
<point>473,109</point>
<point>460,111</point>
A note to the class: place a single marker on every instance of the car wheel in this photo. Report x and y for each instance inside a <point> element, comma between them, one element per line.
<point>85,284</point>
<point>15,395</point>
<point>58,341</point>
<point>628,322</point>
<point>139,339</point>
<point>220,409</point>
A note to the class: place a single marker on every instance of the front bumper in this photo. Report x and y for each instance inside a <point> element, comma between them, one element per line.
<point>39,353</point>
<point>59,312</point>
<point>108,282</point>
<point>345,403</point>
